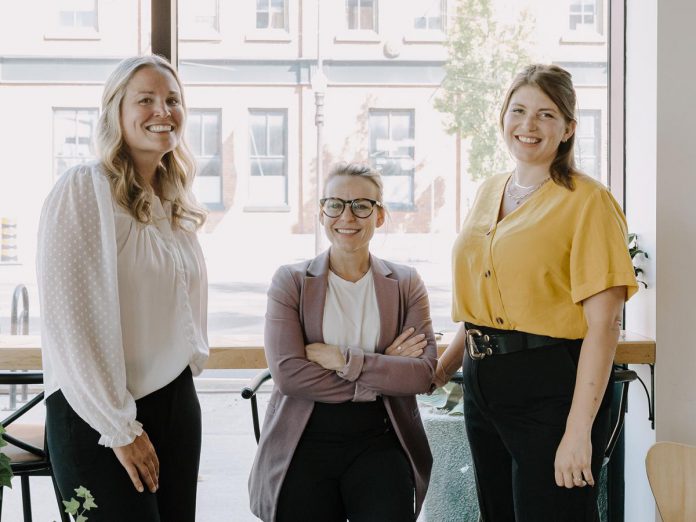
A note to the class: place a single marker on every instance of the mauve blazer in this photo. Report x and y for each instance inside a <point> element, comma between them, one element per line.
<point>294,318</point>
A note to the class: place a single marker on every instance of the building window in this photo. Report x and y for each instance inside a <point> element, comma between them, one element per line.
<point>361,15</point>
<point>73,130</point>
<point>584,16</point>
<point>271,14</point>
<point>430,15</point>
<point>199,18</point>
<point>78,15</point>
<point>588,142</point>
<point>204,136</point>
<point>268,179</point>
<point>392,153</point>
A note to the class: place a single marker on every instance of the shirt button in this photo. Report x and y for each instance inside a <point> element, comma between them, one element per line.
<point>499,320</point>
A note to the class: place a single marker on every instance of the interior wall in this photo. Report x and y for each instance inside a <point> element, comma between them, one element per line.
<point>641,180</point>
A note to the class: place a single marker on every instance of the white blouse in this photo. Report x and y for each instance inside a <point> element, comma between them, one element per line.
<point>351,314</point>
<point>123,305</point>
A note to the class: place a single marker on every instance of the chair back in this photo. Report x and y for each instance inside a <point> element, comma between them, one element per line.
<point>671,471</point>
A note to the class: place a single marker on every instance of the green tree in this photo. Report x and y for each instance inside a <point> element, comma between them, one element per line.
<point>484,56</point>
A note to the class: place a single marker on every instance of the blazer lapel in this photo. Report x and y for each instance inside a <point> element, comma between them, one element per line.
<point>388,302</point>
<point>314,297</point>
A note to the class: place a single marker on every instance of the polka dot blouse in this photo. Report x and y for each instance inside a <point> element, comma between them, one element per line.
<point>123,305</point>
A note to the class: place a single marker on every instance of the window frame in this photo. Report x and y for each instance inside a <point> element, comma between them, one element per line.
<point>273,206</point>
<point>57,31</point>
<point>375,18</point>
<point>54,156</point>
<point>208,34</point>
<point>409,206</point>
<point>217,112</point>
<point>269,28</point>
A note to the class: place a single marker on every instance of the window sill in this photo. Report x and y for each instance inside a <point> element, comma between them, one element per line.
<point>212,36</point>
<point>270,208</point>
<point>582,38</point>
<point>425,37</point>
<point>357,36</point>
<point>268,35</point>
<point>74,34</point>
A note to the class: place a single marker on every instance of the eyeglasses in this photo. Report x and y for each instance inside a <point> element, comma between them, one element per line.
<point>361,208</point>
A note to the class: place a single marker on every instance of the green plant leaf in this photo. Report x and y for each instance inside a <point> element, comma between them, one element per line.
<point>71,506</point>
<point>5,471</point>
<point>89,504</point>
<point>83,492</point>
<point>81,518</point>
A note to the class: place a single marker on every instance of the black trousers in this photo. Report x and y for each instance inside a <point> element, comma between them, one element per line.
<point>516,406</point>
<point>348,465</point>
<point>171,416</point>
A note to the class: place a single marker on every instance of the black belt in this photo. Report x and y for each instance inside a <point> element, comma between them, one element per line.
<point>483,341</point>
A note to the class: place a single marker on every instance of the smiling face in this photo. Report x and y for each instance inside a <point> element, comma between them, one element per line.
<point>347,233</point>
<point>533,127</point>
<point>152,115</point>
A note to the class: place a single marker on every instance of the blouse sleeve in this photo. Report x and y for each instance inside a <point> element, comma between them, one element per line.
<point>599,257</point>
<point>78,289</point>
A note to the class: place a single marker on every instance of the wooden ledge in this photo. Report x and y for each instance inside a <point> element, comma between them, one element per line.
<point>23,352</point>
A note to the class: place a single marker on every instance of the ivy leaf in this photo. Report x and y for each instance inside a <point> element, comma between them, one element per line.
<point>81,518</point>
<point>89,503</point>
<point>5,471</point>
<point>83,492</point>
<point>71,506</point>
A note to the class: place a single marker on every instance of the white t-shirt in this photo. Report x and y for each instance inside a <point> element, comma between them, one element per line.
<point>123,304</point>
<point>351,314</point>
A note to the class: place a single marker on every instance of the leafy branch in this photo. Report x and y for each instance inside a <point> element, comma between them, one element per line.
<point>634,250</point>
<point>73,505</point>
<point>484,56</point>
<point>5,466</point>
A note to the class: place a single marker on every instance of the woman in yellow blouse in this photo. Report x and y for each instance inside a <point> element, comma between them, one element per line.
<point>541,271</point>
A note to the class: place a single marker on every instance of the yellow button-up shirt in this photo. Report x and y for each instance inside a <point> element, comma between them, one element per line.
<point>531,270</point>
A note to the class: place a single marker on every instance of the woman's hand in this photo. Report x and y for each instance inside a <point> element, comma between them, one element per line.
<point>327,356</point>
<point>573,464</point>
<point>407,344</point>
<point>141,462</point>
<point>442,377</point>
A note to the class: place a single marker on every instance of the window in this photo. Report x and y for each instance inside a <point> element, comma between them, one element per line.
<point>204,137</point>
<point>199,18</point>
<point>361,15</point>
<point>271,14</point>
<point>588,143</point>
<point>268,180</point>
<point>430,15</point>
<point>73,130</point>
<point>392,153</point>
<point>584,16</point>
<point>77,15</point>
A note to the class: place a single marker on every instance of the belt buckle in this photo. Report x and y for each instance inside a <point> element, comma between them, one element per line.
<point>471,336</point>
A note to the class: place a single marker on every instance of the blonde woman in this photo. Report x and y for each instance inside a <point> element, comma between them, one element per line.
<point>349,343</point>
<point>123,290</point>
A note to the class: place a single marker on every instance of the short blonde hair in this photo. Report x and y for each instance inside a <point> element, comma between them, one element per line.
<point>177,168</point>
<point>360,170</point>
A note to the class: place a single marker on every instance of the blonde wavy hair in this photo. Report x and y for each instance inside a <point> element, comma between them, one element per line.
<point>177,168</point>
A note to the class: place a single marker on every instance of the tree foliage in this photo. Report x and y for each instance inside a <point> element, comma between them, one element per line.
<point>484,56</point>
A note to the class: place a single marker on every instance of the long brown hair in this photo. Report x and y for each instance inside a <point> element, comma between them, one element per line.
<point>557,84</point>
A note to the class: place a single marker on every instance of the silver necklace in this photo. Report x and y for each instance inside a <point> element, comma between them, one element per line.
<point>517,198</point>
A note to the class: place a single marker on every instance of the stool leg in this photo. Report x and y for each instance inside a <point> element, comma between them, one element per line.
<point>26,498</point>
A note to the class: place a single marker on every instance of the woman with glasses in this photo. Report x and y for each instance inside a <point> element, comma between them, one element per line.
<point>349,343</point>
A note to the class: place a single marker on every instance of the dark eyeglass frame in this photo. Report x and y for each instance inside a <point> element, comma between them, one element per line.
<point>350,203</point>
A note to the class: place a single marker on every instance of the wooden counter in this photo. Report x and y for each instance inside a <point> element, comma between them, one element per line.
<point>23,352</point>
